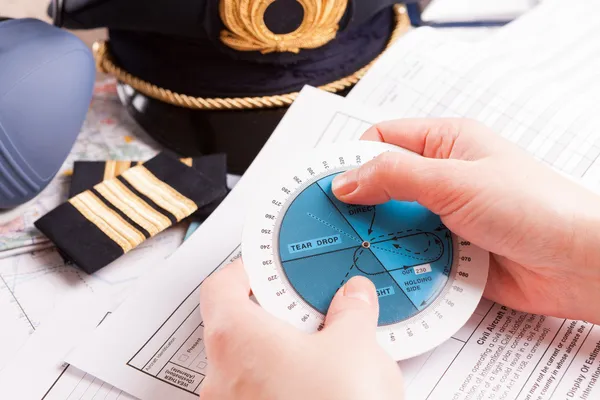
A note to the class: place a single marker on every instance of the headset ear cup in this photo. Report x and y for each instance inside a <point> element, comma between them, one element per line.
<point>46,88</point>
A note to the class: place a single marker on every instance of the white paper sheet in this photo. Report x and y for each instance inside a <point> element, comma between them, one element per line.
<point>48,377</point>
<point>68,320</point>
<point>500,353</point>
<point>476,10</point>
<point>159,352</point>
<point>38,370</point>
<point>536,82</point>
<point>155,338</point>
<point>34,285</point>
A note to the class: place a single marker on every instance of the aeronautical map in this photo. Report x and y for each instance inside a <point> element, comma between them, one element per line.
<point>108,132</point>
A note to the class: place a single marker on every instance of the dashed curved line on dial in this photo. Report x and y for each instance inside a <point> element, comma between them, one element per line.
<point>334,227</point>
<point>429,259</point>
<point>406,250</point>
<point>416,252</point>
<point>437,257</point>
<point>394,234</point>
<point>354,260</point>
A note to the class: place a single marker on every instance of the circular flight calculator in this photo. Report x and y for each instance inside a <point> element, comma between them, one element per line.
<point>301,244</point>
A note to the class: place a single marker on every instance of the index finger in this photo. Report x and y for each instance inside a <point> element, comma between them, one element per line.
<point>225,293</point>
<point>432,137</point>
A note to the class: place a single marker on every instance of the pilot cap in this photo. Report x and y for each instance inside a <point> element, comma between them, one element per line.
<point>217,76</point>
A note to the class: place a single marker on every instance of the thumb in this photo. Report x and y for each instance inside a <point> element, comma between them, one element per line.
<point>354,308</point>
<point>438,184</point>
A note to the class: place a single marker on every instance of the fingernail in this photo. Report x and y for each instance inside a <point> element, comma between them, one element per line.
<point>359,288</point>
<point>345,183</point>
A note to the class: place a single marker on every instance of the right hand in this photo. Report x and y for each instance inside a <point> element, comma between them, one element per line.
<point>542,230</point>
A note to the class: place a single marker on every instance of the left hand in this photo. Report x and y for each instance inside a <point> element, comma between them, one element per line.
<point>254,355</point>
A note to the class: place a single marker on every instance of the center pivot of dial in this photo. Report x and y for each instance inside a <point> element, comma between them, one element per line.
<point>366,244</point>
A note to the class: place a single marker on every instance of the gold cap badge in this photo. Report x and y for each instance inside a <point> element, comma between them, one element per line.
<point>247,31</point>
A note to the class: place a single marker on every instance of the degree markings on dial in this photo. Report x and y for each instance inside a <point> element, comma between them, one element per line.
<point>400,338</point>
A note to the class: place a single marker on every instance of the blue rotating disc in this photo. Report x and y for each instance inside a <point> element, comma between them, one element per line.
<point>301,245</point>
<point>402,247</point>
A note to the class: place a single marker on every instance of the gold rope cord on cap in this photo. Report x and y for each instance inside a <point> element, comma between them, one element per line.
<point>105,64</point>
<point>248,31</point>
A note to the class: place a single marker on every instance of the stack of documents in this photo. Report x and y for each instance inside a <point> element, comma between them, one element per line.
<point>466,12</point>
<point>535,81</point>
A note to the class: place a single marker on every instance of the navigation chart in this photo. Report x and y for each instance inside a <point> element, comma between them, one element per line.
<point>403,248</point>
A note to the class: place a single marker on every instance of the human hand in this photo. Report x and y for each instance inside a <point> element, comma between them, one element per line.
<point>254,355</point>
<point>541,229</point>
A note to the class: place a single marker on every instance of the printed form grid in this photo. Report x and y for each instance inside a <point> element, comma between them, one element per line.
<point>548,112</point>
<point>74,384</point>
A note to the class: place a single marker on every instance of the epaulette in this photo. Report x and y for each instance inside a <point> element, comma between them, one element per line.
<point>110,218</point>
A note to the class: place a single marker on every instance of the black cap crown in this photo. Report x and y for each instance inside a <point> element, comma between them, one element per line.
<point>237,48</point>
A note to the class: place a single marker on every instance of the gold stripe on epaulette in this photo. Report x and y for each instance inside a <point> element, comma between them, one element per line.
<point>159,192</point>
<point>136,209</point>
<point>109,170</point>
<point>107,220</point>
<point>114,168</point>
<point>187,161</point>
<point>121,167</point>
